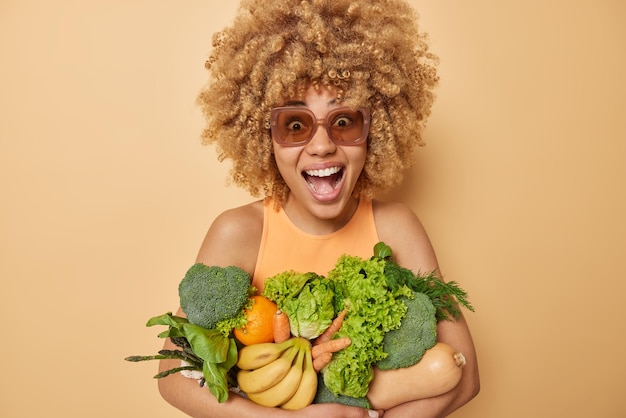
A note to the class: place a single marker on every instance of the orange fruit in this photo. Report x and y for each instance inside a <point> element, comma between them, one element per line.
<point>259,328</point>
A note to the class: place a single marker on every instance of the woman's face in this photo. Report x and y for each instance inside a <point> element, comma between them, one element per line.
<point>320,174</point>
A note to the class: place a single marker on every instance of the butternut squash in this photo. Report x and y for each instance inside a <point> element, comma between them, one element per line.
<point>438,372</point>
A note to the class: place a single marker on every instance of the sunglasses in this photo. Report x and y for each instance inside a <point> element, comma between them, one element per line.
<point>295,126</point>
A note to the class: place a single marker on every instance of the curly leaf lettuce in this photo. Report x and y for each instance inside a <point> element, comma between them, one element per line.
<point>373,310</point>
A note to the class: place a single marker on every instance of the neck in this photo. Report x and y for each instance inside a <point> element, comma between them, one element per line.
<point>322,219</point>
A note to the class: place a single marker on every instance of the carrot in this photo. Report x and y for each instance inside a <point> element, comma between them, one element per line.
<point>282,332</point>
<point>331,346</point>
<point>330,331</point>
<point>322,360</point>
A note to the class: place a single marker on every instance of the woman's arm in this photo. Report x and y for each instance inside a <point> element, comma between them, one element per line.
<point>399,228</point>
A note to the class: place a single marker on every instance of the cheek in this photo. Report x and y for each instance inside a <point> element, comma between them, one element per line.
<point>358,157</point>
<point>286,159</point>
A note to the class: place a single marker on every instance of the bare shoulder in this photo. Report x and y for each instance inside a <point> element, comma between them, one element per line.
<point>234,237</point>
<point>395,219</point>
<point>400,228</point>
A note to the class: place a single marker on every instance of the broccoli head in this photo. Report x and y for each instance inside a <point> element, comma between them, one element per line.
<point>406,345</point>
<point>210,294</point>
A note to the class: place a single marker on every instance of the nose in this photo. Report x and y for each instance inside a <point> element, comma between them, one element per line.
<point>320,143</point>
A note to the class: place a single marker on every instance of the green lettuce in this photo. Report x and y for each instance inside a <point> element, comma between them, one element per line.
<point>307,298</point>
<point>373,310</point>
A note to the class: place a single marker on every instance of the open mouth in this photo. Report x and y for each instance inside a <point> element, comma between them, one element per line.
<point>324,181</point>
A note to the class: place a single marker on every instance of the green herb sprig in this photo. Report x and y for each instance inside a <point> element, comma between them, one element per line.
<point>445,296</point>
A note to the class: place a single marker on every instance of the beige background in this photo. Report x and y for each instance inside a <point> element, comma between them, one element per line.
<point>106,194</point>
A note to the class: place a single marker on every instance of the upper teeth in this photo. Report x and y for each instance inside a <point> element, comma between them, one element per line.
<point>324,172</point>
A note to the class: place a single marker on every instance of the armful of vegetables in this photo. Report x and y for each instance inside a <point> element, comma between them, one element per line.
<point>396,346</point>
<point>417,366</point>
<point>372,324</point>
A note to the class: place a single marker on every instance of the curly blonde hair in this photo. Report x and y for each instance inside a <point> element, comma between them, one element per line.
<point>369,51</point>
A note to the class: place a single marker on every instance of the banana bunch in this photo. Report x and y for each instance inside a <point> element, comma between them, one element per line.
<point>278,374</point>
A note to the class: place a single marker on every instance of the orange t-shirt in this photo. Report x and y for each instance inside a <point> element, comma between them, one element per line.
<point>285,247</point>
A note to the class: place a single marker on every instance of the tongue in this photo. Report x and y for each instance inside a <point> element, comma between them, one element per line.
<point>323,185</point>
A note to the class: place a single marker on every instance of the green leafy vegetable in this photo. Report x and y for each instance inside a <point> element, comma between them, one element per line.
<point>324,395</point>
<point>306,298</point>
<point>373,310</point>
<point>203,349</point>
<point>382,251</point>
<point>445,296</point>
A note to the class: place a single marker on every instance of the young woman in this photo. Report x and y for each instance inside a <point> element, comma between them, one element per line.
<point>319,105</point>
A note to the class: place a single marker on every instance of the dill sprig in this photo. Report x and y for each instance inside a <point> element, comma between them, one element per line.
<point>445,296</point>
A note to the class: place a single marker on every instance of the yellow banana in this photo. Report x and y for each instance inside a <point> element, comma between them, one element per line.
<point>258,355</point>
<point>258,380</point>
<point>306,389</point>
<point>283,390</point>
